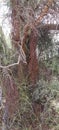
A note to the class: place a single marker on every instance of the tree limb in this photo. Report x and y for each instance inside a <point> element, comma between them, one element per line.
<point>21,57</point>
<point>50,26</point>
<point>10,65</point>
<point>44,12</point>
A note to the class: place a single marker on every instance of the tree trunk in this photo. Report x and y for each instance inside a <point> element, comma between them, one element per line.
<point>29,46</point>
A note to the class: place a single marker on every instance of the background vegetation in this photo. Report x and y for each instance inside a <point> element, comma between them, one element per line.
<point>29,65</point>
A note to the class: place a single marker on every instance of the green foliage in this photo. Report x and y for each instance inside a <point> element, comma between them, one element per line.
<point>41,93</point>
<point>5,53</point>
<point>2,41</point>
<point>44,41</point>
<point>44,94</point>
<point>54,84</point>
<point>53,64</point>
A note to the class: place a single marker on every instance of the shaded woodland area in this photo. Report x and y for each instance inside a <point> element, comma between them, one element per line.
<point>29,65</point>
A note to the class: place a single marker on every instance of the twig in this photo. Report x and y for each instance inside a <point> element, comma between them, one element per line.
<point>11,65</point>
<point>21,57</point>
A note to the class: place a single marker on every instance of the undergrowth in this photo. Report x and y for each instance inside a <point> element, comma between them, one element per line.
<point>37,108</point>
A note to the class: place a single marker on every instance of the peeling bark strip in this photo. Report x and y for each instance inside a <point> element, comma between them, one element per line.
<point>29,45</point>
<point>44,12</point>
<point>11,93</point>
<point>33,66</point>
<point>15,23</point>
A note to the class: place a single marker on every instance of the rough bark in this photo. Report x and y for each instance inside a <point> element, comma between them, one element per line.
<point>29,46</point>
<point>15,23</point>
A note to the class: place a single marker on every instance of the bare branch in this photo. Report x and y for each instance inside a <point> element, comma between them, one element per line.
<point>50,26</point>
<point>21,57</point>
<point>11,65</point>
<point>44,12</point>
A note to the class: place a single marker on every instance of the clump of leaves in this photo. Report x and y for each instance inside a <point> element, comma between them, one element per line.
<point>25,117</point>
<point>44,41</point>
<point>44,94</point>
<point>53,64</point>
